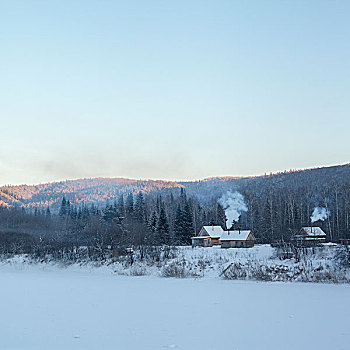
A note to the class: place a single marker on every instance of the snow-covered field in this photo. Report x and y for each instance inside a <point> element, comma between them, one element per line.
<point>44,307</point>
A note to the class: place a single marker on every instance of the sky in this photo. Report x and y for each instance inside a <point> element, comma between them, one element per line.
<point>173,90</point>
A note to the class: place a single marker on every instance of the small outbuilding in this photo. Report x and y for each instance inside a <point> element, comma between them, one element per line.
<point>208,236</point>
<point>285,251</point>
<point>237,239</point>
<point>345,241</point>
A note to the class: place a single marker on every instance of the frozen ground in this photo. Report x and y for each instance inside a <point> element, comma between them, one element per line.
<point>77,308</point>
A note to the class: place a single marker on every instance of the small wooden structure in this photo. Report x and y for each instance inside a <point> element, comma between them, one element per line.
<point>309,237</point>
<point>237,239</point>
<point>285,250</point>
<point>208,236</point>
<point>345,241</point>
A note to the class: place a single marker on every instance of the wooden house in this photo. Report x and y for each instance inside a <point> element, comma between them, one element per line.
<point>208,236</point>
<point>237,239</point>
<point>309,237</point>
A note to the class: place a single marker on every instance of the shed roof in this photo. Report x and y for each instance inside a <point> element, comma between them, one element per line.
<point>213,231</point>
<point>236,235</point>
<point>313,231</point>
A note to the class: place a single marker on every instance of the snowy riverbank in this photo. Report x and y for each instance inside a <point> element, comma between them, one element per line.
<point>260,263</point>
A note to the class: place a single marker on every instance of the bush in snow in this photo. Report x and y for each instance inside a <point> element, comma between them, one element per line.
<point>285,273</point>
<point>342,257</point>
<point>178,268</point>
<point>138,270</point>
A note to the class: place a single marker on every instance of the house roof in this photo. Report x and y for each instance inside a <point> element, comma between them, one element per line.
<point>235,235</point>
<point>313,231</point>
<point>213,231</point>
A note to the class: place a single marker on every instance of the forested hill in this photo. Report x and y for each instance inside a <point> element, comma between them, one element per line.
<point>312,179</point>
<point>88,191</point>
<point>102,190</point>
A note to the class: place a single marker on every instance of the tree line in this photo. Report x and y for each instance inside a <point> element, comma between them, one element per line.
<point>130,221</point>
<point>276,210</point>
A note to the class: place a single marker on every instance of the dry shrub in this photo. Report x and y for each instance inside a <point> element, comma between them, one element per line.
<point>138,270</point>
<point>178,269</point>
<point>285,273</point>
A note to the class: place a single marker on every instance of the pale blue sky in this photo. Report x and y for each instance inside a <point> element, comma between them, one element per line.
<point>172,89</point>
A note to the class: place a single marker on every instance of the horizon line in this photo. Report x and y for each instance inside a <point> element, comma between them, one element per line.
<point>178,181</point>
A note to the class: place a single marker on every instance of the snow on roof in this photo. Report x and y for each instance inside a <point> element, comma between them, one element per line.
<point>235,235</point>
<point>213,231</point>
<point>313,231</point>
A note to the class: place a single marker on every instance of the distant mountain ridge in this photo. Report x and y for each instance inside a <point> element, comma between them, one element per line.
<point>101,190</point>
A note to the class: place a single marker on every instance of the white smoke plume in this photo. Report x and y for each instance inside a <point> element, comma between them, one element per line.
<point>234,205</point>
<point>319,214</point>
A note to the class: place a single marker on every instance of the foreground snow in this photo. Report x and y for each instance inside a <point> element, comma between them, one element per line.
<point>51,308</point>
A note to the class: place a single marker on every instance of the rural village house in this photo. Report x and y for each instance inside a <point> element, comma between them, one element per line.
<point>208,236</point>
<point>309,236</point>
<point>214,235</point>
<point>237,239</point>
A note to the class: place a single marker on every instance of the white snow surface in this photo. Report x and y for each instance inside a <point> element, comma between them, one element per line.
<point>46,307</point>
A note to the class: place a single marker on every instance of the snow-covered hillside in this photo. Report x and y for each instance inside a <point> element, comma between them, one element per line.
<point>44,307</point>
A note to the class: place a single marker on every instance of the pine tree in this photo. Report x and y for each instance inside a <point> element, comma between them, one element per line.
<point>153,222</point>
<point>63,208</point>
<point>188,230</point>
<point>73,212</point>
<point>159,203</point>
<point>140,210</point>
<point>183,197</point>
<point>68,208</point>
<point>109,214</point>
<point>85,212</point>
<point>130,204</point>
<point>162,228</point>
<point>120,206</point>
<point>179,224</point>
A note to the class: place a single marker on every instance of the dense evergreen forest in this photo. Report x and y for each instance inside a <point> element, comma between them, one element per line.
<point>278,206</point>
<point>130,221</point>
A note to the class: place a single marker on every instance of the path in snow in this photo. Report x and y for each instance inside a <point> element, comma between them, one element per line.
<point>76,309</point>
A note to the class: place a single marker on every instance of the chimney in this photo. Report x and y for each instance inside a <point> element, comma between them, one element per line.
<point>233,225</point>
